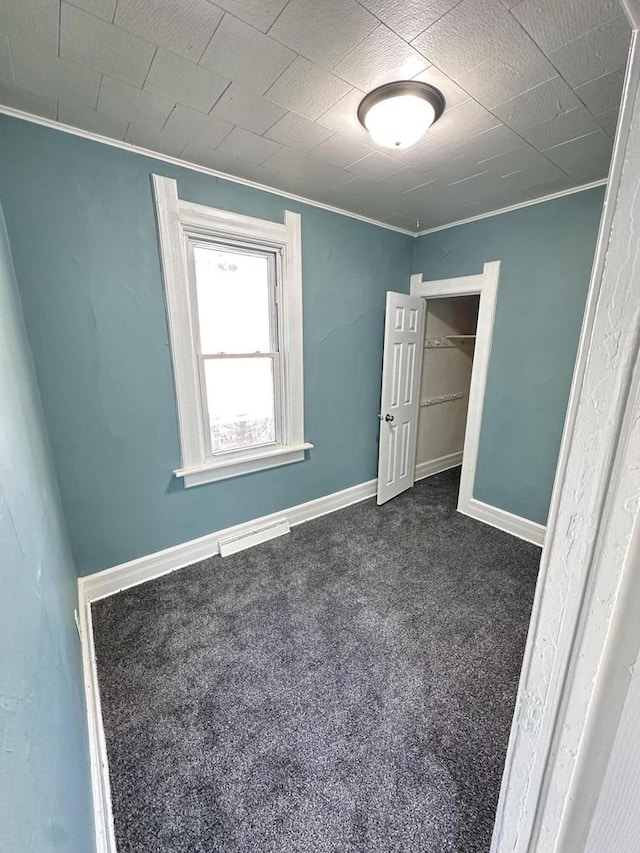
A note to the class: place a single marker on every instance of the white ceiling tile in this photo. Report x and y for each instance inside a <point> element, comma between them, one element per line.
<point>453,94</point>
<point>247,146</point>
<point>380,58</point>
<point>323,32</point>
<point>580,157</point>
<point>460,122</point>
<point>555,185</point>
<point>12,95</point>
<point>259,13</point>
<point>340,151</point>
<point>195,125</point>
<point>93,42</point>
<point>489,143</point>
<point>517,160</point>
<point>303,136</point>
<point>124,101</point>
<point>464,37</point>
<point>179,80</point>
<point>307,89</point>
<point>375,166</point>
<point>199,151</point>
<point>298,132</point>
<point>184,28</point>
<point>308,168</point>
<point>102,8</point>
<point>401,220</point>
<point>562,128</point>
<point>51,75</point>
<point>343,118</point>
<point>542,173</point>
<point>427,156</point>
<point>552,24</point>
<point>539,104</point>
<point>92,120</point>
<point>603,93</point>
<point>483,188</point>
<point>494,81</point>
<point>599,52</point>
<point>183,126</point>
<point>151,137</point>
<point>403,181</point>
<point>243,107</point>
<point>6,61</point>
<point>246,55</point>
<point>409,18</point>
<point>454,169</point>
<point>250,171</point>
<point>609,121</point>
<point>35,20</point>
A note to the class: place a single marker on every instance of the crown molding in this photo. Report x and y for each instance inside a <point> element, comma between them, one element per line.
<point>194,167</point>
<point>512,207</point>
<point>631,9</point>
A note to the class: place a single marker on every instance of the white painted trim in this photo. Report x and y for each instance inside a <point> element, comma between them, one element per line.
<point>435,466</point>
<point>631,8</point>
<point>272,458</point>
<point>100,784</point>
<point>194,167</point>
<point>484,284</point>
<point>511,207</point>
<point>555,758</point>
<point>205,170</point>
<point>178,221</point>
<point>101,584</point>
<point>531,531</point>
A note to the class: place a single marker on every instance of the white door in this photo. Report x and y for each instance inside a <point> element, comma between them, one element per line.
<point>401,366</point>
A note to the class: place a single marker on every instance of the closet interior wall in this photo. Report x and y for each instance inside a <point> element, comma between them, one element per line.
<point>446,377</point>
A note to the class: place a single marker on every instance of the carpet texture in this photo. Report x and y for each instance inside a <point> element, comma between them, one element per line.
<point>347,688</point>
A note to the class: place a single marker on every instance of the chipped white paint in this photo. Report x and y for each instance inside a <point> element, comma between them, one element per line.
<point>552,774</point>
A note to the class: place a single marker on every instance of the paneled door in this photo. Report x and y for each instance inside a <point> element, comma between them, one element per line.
<point>399,406</point>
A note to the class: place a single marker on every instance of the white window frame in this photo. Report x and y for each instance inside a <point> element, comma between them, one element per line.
<point>179,222</point>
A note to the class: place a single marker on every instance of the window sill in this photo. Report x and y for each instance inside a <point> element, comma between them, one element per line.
<point>213,471</point>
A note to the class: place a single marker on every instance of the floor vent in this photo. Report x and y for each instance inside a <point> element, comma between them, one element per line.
<point>233,544</point>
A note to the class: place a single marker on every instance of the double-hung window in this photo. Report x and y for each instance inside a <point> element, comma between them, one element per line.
<point>234,303</point>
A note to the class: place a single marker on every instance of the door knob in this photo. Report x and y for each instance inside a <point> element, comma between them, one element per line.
<point>388,418</point>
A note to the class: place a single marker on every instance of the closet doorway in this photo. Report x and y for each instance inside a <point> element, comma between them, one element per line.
<point>447,360</point>
<point>455,315</point>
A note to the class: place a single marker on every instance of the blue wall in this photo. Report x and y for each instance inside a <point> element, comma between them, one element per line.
<point>44,766</point>
<point>546,252</point>
<point>81,222</point>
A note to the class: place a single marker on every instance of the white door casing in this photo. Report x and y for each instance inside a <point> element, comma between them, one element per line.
<point>401,367</point>
<point>484,285</point>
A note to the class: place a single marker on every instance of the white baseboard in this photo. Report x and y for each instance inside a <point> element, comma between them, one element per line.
<point>100,785</point>
<point>531,531</point>
<point>435,466</point>
<point>101,584</point>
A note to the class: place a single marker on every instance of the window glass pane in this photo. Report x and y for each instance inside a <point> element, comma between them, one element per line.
<point>240,397</point>
<point>233,300</point>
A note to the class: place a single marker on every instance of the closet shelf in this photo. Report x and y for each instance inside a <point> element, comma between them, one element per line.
<point>460,337</point>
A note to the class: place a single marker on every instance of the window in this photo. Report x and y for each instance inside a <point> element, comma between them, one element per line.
<point>234,304</point>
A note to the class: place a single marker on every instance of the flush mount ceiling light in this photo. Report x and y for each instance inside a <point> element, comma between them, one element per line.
<point>398,114</point>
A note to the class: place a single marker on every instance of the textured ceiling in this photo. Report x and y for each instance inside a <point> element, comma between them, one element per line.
<point>268,89</point>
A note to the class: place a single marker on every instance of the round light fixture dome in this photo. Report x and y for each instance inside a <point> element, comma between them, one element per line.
<point>398,114</point>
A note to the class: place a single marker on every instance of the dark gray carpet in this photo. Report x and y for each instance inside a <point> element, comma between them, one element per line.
<point>343,689</point>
